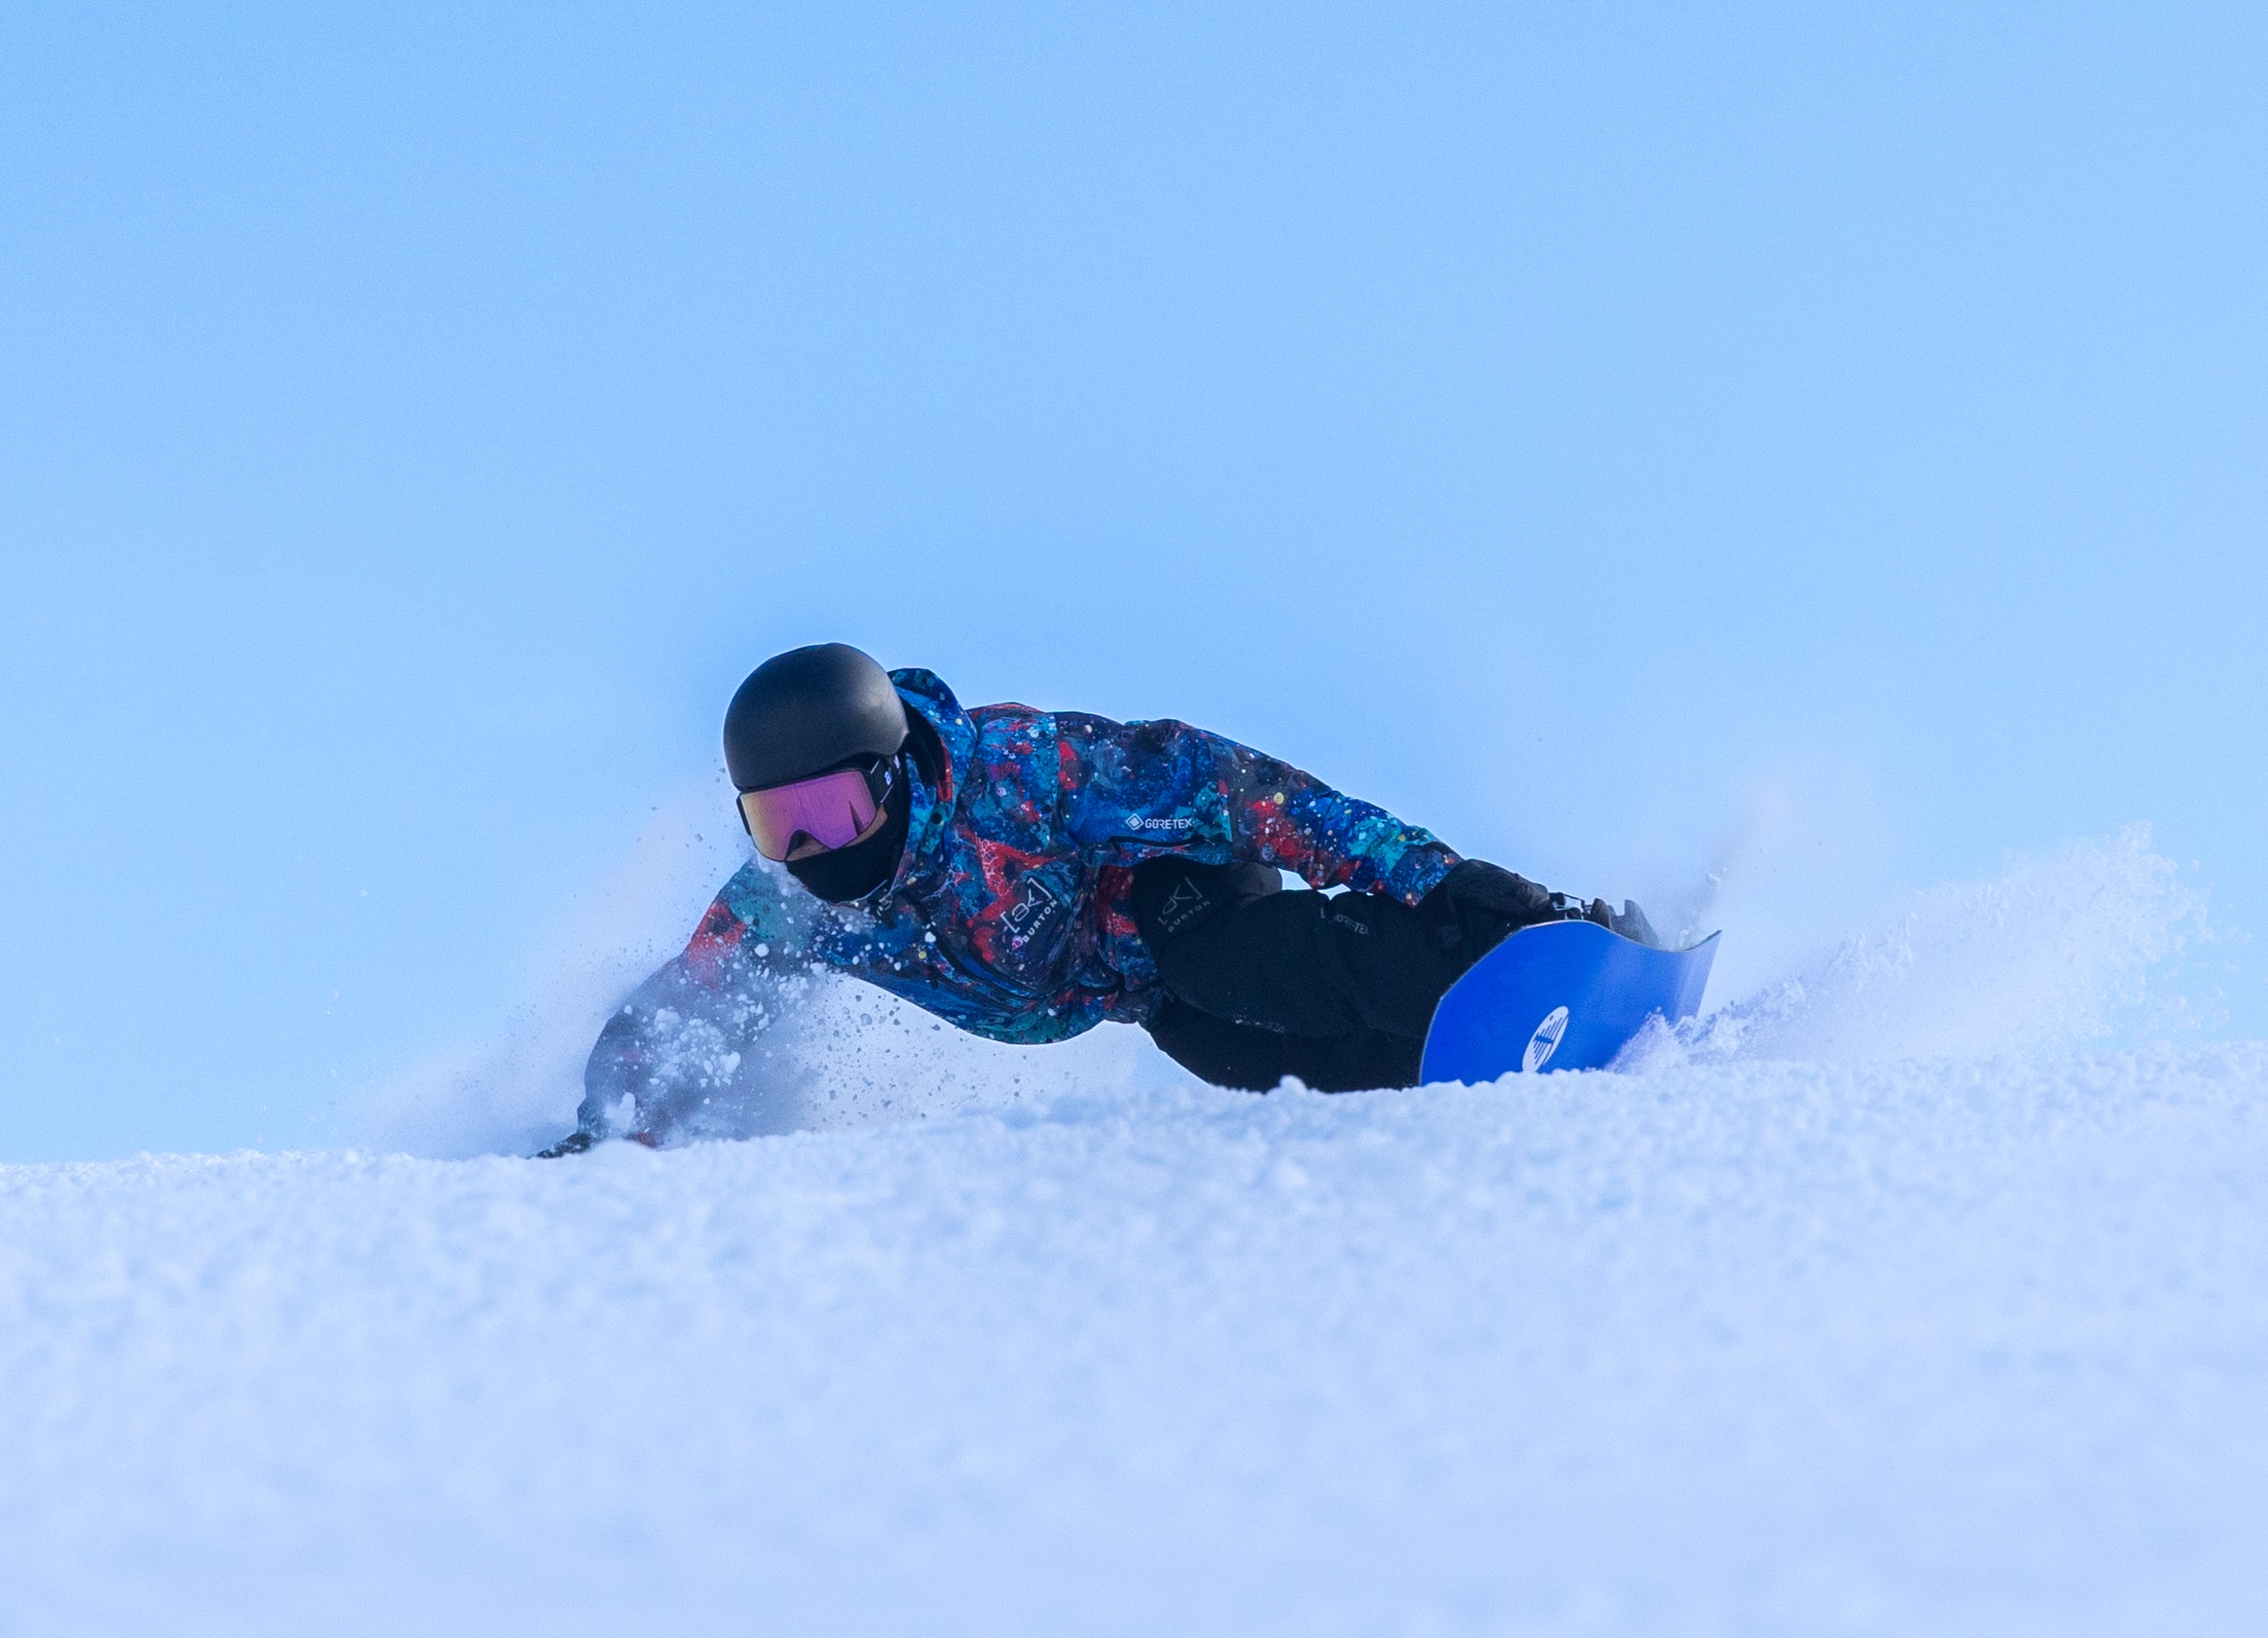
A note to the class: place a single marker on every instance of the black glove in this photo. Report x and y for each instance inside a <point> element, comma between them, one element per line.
<point>1629,920</point>
<point>617,1066</point>
<point>1478,905</point>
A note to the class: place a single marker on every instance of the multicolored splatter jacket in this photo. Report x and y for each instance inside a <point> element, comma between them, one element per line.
<point>1009,913</point>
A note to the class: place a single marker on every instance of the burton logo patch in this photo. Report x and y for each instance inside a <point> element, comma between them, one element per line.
<point>1182,906</point>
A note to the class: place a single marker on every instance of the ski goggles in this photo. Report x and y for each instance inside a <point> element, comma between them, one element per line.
<point>832,808</point>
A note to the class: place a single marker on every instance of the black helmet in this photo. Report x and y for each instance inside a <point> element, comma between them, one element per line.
<point>807,710</point>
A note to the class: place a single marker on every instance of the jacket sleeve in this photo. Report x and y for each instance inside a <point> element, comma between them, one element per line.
<point>692,1031</point>
<point>1136,790</point>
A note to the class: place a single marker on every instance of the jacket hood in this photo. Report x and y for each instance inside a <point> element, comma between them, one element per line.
<point>939,770</point>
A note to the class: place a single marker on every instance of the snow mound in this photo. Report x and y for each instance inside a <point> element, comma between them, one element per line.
<point>1916,1290</point>
<point>1741,1346</point>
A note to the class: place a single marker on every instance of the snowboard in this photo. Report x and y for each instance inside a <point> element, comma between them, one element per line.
<point>1563,995</point>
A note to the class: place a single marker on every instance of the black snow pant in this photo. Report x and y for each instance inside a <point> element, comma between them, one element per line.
<point>1336,990</point>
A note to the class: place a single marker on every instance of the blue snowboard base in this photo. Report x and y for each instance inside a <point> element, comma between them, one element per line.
<point>1565,996</point>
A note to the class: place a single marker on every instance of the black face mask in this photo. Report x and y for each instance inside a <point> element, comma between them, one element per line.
<point>841,874</point>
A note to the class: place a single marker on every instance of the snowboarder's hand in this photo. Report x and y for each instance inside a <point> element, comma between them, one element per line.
<point>1478,905</point>
<point>572,1143</point>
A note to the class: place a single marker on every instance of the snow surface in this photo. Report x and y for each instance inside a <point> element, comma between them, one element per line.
<point>1781,1329</point>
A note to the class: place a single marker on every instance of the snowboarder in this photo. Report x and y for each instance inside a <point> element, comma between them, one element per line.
<point>1027,875</point>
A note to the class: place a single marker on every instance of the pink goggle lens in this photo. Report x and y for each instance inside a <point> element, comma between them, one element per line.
<point>831,808</point>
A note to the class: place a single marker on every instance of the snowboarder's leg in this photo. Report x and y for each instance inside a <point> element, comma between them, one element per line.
<point>1231,942</point>
<point>1253,1059</point>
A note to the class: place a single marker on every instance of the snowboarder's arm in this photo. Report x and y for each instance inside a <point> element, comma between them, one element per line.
<point>681,1035</point>
<point>1163,783</point>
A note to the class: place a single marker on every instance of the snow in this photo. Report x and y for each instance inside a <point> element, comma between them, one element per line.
<point>1778,1329</point>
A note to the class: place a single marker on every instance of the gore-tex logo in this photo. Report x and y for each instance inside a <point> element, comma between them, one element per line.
<point>1137,823</point>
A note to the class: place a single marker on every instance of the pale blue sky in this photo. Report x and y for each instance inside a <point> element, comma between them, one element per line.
<point>1581,432</point>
